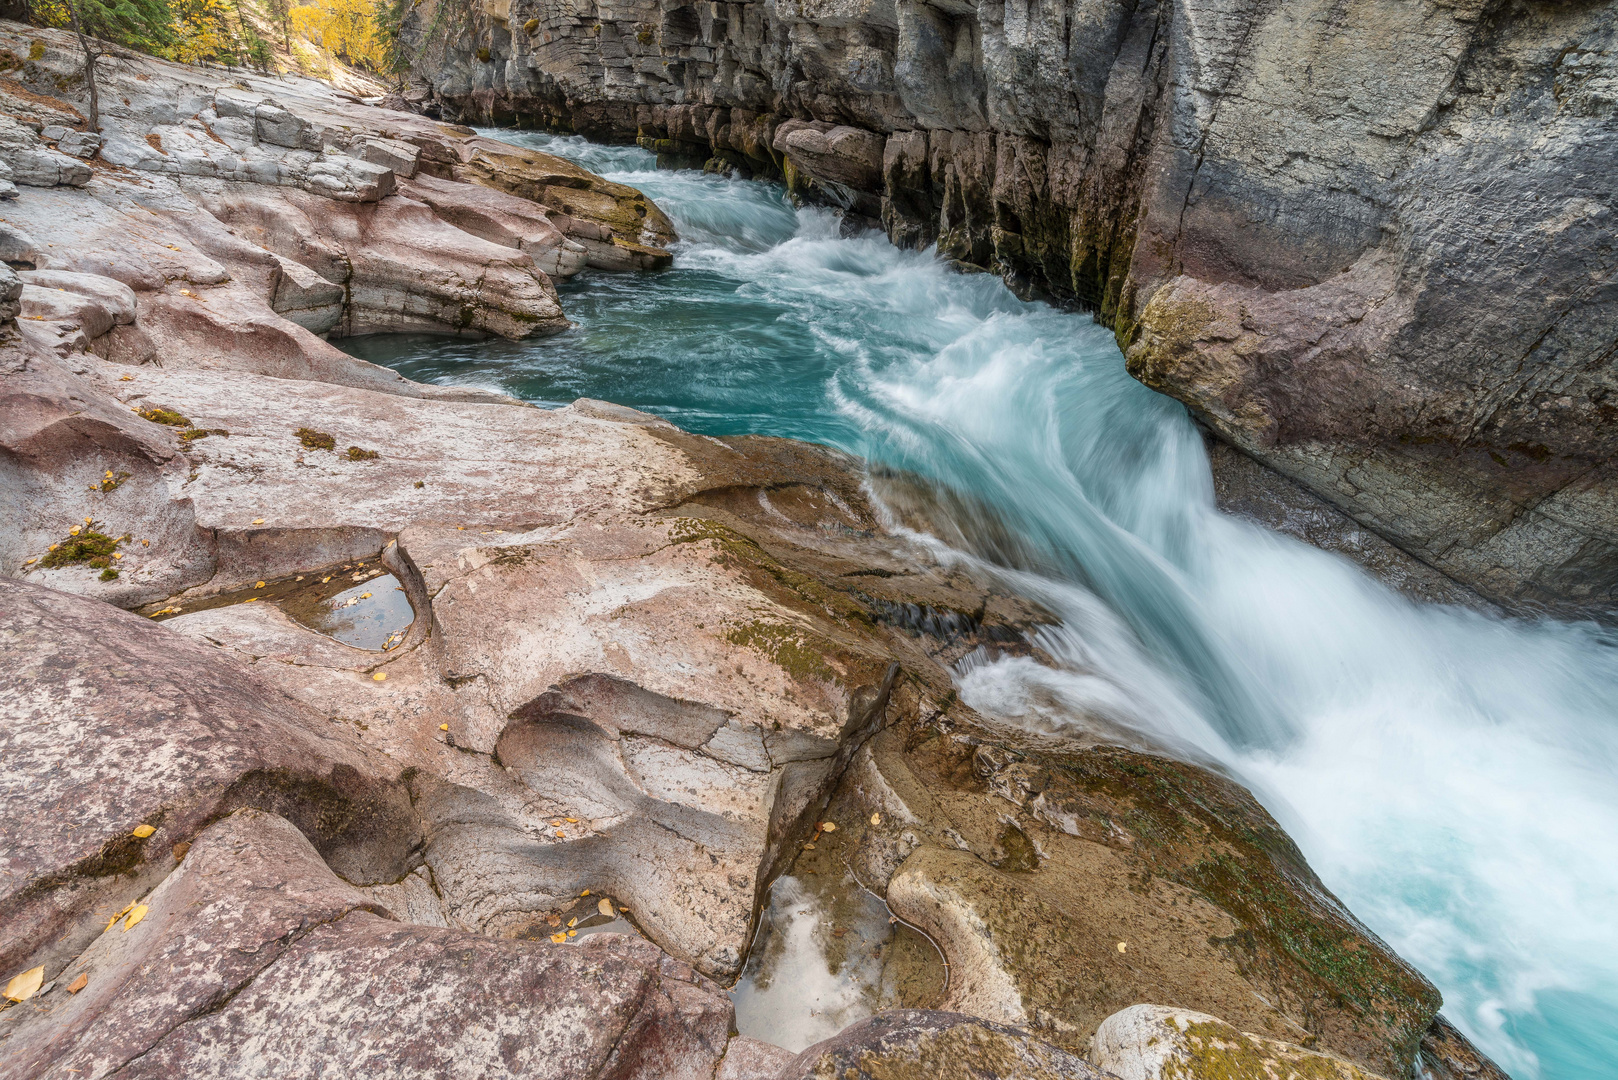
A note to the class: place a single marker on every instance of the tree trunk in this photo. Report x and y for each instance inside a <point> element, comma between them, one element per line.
<point>90,58</point>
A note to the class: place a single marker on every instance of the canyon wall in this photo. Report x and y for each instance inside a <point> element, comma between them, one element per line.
<point>1367,242</point>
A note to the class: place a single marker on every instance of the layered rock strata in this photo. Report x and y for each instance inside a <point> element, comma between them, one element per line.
<point>1370,247</point>
<point>256,218</point>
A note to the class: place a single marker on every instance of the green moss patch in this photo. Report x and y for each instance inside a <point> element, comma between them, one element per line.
<point>315,440</point>
<point>159,414</point>
<point>86,547</point>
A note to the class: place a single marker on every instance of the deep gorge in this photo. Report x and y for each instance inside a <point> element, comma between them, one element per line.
<point>1368,245</point>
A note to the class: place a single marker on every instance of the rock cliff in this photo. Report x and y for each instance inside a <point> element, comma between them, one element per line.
<point>1369,245</point>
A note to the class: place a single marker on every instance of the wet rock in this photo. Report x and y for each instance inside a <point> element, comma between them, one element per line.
<point>1446,1054</point>
<point>925,1045</point>
<point>232,946</point>
<point>1156,1042</point>
<point>1064,884</point>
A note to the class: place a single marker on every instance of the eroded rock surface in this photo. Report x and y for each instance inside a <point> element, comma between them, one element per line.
<point>252,955</point>
<point>918,1044</point>
<point>1067,881</point>
<point>1370,247</point>
<point>246,221</point>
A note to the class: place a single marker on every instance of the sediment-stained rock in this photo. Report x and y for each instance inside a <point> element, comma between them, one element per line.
<point>1066,881</point>
<point>1371,248</point>
<point>919,1044</point>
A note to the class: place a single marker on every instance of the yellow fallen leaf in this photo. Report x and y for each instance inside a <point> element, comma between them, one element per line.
<point>89,521</point>
<point>121,913</point>
<point>575,821</point>
<point>324,580</point>
<point>136,914</point>
<point>809,847</point>
<point>258,585</point>
<point>143,831</point>
<point>258,521</point>
<point>29,562</point>
<point>605,907</point>
<point>53,547</point>
<point>556,824</point>
<point>26,985</point>
<point>365,596</point>
<point>572,923</point>
<point>828,826</point>
<point>572,933</point>
<point>558,938</point>
<point>380,676</point>
<point>1122,945</point>
<point>560,835</point>
<point>117,554</point>
<point>586,892</point>
<point>145,543</point>
<point>443,727</point>
<point>74,531</point>
<point>876,819</point>
<point>109,474</point>
<point>251,600</point>
<point>79,984</point>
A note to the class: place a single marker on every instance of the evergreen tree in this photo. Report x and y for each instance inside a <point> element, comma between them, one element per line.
<point>139,24</point>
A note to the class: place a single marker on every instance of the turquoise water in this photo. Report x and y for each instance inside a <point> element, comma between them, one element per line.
<point>1451,776</point>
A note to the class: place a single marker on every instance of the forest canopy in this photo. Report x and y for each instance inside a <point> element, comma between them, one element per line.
<point>268,35</point>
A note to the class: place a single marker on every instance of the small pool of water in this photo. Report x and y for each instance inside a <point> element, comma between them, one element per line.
<point>829,953</point>
<point>357,603</point>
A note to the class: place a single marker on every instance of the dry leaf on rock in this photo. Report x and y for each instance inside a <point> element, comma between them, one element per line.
<point>136,914</point>
<point>26,985</point>
<point>380,676</point>
<point>828,826</point>
<point>143,831</point>
<point>605,907</point>
<point>79,984</point>
<point>558,938</point>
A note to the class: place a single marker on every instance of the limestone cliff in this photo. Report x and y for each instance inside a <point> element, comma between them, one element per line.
<point>1368,243</point>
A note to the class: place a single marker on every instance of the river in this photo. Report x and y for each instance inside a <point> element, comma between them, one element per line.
<point>1452,776</point>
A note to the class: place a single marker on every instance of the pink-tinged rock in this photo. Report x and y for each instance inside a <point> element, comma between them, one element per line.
<point>253,960</point>
<point>109,722</point>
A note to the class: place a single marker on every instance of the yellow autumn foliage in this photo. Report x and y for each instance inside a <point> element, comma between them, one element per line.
<point>345,28</point>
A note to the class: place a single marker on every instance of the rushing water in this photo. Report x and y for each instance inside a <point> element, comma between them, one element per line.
<point>1450,775</point>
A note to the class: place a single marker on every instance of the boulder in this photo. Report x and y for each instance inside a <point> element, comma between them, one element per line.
<point>1157,1042</point>
<point>1066,882</point>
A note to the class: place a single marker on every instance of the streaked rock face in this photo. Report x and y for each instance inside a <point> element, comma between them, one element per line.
<point>1368,247</point>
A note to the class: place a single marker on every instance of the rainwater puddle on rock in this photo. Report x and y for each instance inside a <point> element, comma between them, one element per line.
<point>827,956</point>
<point>584,917</point>
<point>358,603</point>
